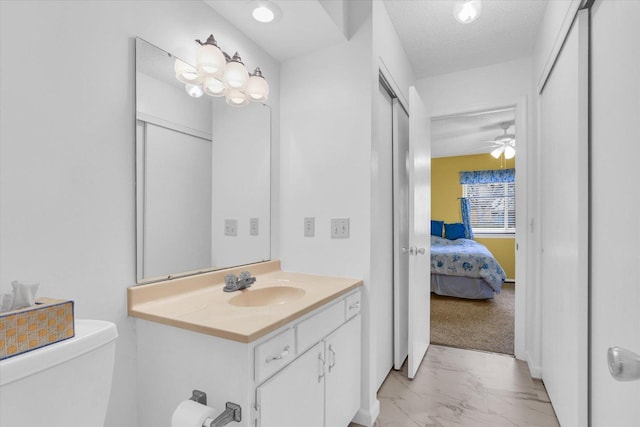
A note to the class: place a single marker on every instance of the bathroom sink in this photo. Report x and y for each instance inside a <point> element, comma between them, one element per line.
<point>274,295</point>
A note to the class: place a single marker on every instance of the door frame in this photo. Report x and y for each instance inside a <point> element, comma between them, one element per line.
<point>524,264</point>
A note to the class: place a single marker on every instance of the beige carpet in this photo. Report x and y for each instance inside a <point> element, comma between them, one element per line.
<point>474,324</point>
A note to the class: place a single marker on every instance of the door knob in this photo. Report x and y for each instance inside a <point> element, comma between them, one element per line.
<point>421,251</point>
<point>624,365</point>
<point>404,250</point>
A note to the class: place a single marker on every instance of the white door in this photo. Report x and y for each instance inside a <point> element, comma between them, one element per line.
<point>342,395</point>
<point>419,165</point>
<point>382,239</point>
<point>564,182</point>
<point>400,234</point>
<point>615,206</point>
<point>295,396</point>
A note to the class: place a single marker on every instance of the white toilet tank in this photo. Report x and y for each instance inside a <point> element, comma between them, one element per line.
<point>66,384</point>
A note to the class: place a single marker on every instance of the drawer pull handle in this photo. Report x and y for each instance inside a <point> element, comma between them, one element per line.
<point>332,360</point>
<point>354,305</point>
<point>282,355</point>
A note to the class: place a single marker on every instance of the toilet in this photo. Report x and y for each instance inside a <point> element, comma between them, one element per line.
<point>65,384</point>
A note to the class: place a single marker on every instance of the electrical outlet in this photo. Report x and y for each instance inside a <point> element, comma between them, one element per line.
<point>253,226</point>
<point>230,227</point>
<point>339,228</point>
<point>309,226</point>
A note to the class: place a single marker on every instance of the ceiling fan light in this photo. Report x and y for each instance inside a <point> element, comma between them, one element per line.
<point>509,152</point>
<point>496,153</point>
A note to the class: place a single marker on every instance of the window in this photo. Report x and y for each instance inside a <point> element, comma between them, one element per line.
<point>492,200</point>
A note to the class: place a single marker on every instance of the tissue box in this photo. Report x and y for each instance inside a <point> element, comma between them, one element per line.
<point>47,322</point>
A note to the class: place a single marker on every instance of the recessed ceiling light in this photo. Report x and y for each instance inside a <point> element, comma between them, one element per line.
<point>467,11</point>
<point>265,11</point>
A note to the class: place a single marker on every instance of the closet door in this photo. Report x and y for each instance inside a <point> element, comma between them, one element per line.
<point>564,186</point>
<point>615,229</point>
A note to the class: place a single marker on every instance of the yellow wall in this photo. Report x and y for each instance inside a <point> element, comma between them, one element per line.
<point>445,206</point>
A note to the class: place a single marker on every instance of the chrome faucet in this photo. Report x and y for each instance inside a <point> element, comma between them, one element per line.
<point>233,283</point>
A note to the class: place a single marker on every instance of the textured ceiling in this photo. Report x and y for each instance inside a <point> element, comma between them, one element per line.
<point>305,26</point>
<point>438,44</point>
<point>466,134</point>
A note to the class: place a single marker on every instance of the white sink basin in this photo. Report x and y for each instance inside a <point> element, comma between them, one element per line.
<point>274,295</point>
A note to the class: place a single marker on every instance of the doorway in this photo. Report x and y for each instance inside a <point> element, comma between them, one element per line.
<point>463,140</point>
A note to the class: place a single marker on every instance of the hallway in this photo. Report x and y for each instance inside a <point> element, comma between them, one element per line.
<point>465,388</point>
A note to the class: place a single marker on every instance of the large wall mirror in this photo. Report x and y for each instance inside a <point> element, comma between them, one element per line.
<point>202,176</point>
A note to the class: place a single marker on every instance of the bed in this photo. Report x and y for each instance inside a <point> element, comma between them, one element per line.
<point>464,268</point>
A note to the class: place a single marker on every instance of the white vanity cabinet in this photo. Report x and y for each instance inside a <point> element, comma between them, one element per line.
<point>321,388</point>
<point>305,373</point>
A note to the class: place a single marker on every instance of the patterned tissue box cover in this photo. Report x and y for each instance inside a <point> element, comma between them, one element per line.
<point>47,322</point>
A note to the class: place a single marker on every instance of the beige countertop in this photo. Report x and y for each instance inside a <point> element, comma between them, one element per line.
<point>198,302</point>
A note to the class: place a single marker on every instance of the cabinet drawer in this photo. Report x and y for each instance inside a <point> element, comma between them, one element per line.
<point>315,328</point>
<point>353,304</point>
<point>274,354</point>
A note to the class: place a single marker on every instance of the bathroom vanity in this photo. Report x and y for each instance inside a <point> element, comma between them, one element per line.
<point>287,349</point>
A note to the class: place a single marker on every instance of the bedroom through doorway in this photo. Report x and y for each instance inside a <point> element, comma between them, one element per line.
<point>473,228</point>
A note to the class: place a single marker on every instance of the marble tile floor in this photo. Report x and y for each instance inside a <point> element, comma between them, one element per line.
<point>456,387</point>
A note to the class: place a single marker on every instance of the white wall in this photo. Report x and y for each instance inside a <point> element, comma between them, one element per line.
<point>326,163</point>
<point>67,156</point>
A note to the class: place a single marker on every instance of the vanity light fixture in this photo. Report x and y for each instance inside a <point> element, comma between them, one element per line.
<point>467,11</point>
<point>217,74</point>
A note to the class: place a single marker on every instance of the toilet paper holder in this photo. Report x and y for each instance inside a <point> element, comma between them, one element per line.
<point>232,412</point>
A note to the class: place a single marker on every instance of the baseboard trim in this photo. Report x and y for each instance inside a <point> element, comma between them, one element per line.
<point>535,370</point>
<point>366,417</point>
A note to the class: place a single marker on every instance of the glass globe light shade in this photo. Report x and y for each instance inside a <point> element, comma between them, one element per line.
<point>497,152</point>
<point>195,91</point>
<point>257,88</point>
<point>509,152</point>
<point>236,98</point>
<point>213,86</point>
<point>185,72</point>
<point>467,11</point>
<point>235,74</point>
<point>210,60</point>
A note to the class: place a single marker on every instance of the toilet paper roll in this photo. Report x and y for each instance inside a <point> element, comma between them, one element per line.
<point>192,414</point>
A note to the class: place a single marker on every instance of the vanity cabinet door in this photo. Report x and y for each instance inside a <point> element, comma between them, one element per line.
<point>343,351</point>
<point>295,396</point>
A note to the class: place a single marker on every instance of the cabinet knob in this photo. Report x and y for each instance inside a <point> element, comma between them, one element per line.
<point>354,305</point>
<point>284,353</point>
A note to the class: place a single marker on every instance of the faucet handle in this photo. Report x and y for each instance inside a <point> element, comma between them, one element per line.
<point>230,280</point>
<point>244,276</point>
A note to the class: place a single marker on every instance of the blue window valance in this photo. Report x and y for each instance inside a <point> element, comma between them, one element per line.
<point>487,177</point>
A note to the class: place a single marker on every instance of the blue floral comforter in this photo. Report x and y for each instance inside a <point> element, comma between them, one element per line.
<point>464,257</point>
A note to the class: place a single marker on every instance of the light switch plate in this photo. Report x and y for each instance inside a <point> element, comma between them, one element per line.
<point>309,226</point>
<point>230,227</point>
<point>253,226</point>
<point>339,228</point>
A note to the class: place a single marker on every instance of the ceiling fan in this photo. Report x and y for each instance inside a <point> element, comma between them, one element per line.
<point>505,143</point>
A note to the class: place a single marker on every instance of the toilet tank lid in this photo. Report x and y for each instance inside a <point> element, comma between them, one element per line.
<point>89,335</point>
